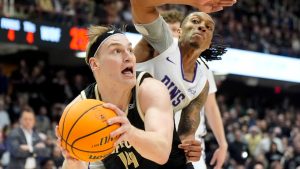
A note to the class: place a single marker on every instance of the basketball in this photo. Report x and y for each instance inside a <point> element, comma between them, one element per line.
<point>84,131</point>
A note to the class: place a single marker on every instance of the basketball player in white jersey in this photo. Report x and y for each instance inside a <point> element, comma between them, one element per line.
<point>210,110</point>
<point>176,65</point>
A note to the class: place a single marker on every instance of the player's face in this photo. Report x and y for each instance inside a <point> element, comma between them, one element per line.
<point>175,29</point>
<point>116,61</point>
<point>198,30</point>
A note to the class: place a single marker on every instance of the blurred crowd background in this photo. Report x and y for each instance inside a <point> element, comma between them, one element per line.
<point>269,26</point>
<point>262,124</point>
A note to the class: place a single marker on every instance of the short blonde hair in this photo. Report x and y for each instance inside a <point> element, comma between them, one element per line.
<point>93,33</point>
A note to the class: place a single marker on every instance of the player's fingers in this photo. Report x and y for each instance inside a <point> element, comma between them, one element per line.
<point>57,132</point>
<point>121,138</point>
<point>216,8</point>
<point>213,160</point>
<point>118,132</point>
<point>117,119</point>
<point>191,142</point>
<point>114,108</point>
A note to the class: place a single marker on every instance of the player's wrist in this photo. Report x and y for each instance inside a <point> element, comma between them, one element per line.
<point>132,133</point>
<point>223,145</point>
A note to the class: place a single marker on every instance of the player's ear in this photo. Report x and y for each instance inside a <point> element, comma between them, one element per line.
<point>93,63</point>
<point>179,30</point>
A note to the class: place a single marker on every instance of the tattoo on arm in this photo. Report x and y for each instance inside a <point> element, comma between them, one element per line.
<point>190,115</point>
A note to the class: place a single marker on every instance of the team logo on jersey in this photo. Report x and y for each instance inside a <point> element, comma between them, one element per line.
<point>131,106</point>
<point>192,91</point>
<point>168,59</point>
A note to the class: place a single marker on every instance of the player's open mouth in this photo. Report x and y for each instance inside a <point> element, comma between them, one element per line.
<point>128,71</point>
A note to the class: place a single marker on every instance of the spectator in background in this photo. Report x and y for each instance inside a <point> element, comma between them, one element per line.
<point>3,82</point>
<point>258,165</point>
<point>2,145</point>
<point>294,158</point>
<point>43,123</point>
<point>273,154</point>
<point>238,149</point>
<point>57,157</point>
<point>47,163</point>
<point>4,117</point>
<point>253,138</point>
<point>24,143</point>
<point>108,11</point>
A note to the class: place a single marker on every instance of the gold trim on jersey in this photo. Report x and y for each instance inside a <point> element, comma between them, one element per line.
<point>82,94</point>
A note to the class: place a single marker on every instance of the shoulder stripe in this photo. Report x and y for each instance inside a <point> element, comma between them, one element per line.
<point>96,92</point>
<point>82,94</point>
<point>138,81</point>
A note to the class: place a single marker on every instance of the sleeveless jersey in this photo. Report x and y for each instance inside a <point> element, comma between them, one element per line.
<point>167,67</point>
<point>201,131</point>
<point>125,156</point>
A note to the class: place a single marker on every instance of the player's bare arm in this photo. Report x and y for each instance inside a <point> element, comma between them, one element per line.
<point>190,116</point>
<point>158,120</point>
<point>144,51</point>
<point>148,6</point>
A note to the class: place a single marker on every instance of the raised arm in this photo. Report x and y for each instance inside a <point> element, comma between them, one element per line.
<point>143,11</point>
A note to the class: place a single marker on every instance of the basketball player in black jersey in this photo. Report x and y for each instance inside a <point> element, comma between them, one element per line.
<point>142,104</point>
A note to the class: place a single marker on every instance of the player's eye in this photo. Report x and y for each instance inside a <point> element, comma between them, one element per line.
<point>195,21</point>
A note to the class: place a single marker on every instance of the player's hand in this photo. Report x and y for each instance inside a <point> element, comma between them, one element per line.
<point>69,162</point>
<point>125,130</point>
<point>219,157</point>
<point>209,6</point>
<point>192,149</point>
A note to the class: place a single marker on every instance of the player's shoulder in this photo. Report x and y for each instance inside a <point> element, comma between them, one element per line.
<point>74,101</point>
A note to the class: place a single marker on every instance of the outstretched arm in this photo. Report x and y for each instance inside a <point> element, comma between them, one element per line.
<point>145,12</point>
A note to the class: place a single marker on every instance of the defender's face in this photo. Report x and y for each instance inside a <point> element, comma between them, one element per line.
<point>115,61</point>
<point>198,30</point>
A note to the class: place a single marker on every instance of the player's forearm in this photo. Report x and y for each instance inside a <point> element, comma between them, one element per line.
<point>155,3</point>
<point>158,146</point>
<point>190,115</point>
<point>188,124</point>
<point>144,11</point>
<point>215,120</point>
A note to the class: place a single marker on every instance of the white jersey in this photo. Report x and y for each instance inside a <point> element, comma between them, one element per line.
<point>201,131</point>
<point>167,67</point>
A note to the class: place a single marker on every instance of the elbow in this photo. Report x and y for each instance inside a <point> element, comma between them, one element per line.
<point>164,154</point>
<point>163,159</point>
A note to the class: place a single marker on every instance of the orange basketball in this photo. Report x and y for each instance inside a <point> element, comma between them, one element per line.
<point>84,131</point>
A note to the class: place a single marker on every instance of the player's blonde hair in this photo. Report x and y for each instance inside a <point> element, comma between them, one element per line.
<point>93,33</point>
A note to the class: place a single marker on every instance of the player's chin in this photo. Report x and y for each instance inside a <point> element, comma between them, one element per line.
<point>130,80</point>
